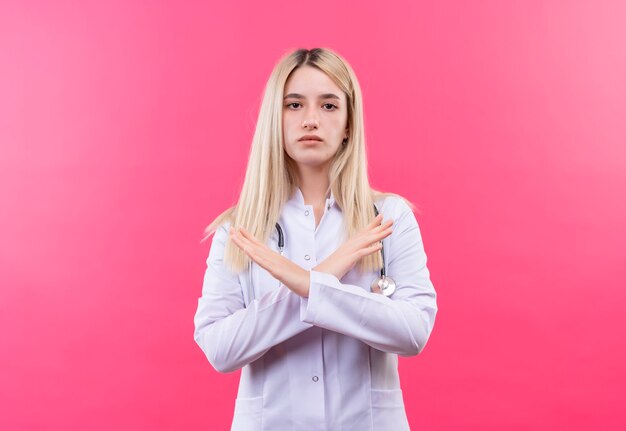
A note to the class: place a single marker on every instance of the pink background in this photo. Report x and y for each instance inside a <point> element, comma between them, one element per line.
<point>125,128</point>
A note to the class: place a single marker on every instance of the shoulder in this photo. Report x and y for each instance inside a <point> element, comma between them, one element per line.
<point>220,226</point>
<point>220,238</point>
<point>401,211</point>
<point>394,206</point>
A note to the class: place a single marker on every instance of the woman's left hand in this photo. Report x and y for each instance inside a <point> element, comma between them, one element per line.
<point>290,274</point>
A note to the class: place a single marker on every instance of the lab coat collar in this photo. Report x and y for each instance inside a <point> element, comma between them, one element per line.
<point>298,198</point>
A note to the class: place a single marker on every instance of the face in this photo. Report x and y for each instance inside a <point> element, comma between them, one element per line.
<point>313,105</point>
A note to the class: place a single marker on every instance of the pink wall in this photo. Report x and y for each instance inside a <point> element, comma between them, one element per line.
<point>125,126</point>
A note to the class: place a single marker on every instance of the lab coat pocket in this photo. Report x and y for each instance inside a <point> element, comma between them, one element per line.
<point>248,413</point>
<point>388,410</point>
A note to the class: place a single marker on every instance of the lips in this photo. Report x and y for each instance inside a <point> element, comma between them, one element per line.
<point>310,138</point>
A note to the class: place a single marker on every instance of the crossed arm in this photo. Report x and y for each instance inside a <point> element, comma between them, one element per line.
<point>233,335</point>
<point>338,264</point>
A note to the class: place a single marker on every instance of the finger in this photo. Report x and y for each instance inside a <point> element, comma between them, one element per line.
<point>379,228</point>
<point>249,250</point>
<point>235,239</point>
<point>232,232</point>
<point>374,230</point>
<point>376,289</point>
<point>385,225</point>
<point>376,221</point>
<point>262,255</point>
<point>242,242</point>
<point>253,248</point>
<point>378,236</point>
<point>250,237</point>
<point>238,239</point>
<point>366,251</point>
<point>240,235</point>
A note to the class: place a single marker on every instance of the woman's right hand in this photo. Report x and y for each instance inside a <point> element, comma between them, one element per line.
<point>362,244</point>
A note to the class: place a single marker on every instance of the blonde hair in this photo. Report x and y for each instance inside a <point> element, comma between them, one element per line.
<point>271,175</point>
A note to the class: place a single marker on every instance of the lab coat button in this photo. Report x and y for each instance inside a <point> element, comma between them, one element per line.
<point>307,257</point>
<point>306,213</point>
<point>315,378</point>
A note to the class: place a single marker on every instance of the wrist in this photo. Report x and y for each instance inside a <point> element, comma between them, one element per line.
<point>325,268</point>
<point>335,273</point>
<point>299,283</point>
<point>306,283</point>
<point>297,279</point>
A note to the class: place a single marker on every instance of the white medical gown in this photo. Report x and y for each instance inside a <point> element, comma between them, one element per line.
<point>329,361</point>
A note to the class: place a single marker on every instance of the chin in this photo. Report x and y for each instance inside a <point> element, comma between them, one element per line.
<point>310,157</point>
<point>311,162</point>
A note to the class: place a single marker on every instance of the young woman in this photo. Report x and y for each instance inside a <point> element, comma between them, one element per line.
<point>293,293</point>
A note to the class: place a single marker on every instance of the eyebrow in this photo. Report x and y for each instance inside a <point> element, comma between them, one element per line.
<point>321,96</point>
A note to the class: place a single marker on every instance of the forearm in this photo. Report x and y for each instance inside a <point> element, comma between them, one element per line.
<point>232,341</point>
<point>401,326</point>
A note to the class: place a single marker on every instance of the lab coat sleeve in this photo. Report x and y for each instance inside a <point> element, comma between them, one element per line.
<point>399,324</point>
<point>230,334</point>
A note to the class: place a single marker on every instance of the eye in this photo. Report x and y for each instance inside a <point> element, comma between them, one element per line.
<point>290,105</point>
<point>332,107</point>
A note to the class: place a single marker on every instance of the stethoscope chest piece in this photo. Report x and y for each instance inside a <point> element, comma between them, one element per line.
<point>384,285</point>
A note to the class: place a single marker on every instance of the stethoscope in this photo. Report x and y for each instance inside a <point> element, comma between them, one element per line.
<point>384,284</point>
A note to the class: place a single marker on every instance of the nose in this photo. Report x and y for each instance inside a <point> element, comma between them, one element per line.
<point>310,123</point>
<point>310,117</point>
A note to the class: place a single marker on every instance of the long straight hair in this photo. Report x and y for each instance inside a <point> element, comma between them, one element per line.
<point>271,174</point>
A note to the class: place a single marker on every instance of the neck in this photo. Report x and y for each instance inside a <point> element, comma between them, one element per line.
<point>313,183</point>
